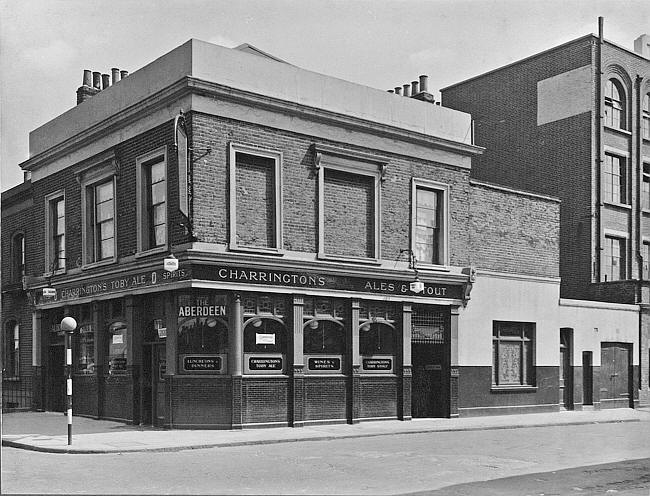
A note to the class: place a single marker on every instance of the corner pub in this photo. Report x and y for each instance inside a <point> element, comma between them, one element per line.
<point>328,239</point>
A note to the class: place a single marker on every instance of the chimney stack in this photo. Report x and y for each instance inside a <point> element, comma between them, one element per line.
<point>124,74</point>
<point>115,73</point>
<point>642,45</point>
<point>106,81</point>
<point>414,88</point>
<point>423,83</point>
<point>86,90</point>
<point>406,87</point>
<point>97,80</point>
<point>398,90</point>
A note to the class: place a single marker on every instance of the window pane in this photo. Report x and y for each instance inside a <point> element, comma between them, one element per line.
<point>159,235</point>
<point>159,215</point>
<point>158,193</point>
<point>509,363</point>
<point>106,230</point>
<point>157,172</point>
<point>104,211</point>
<point>104,192</point>
<point>60,226</point>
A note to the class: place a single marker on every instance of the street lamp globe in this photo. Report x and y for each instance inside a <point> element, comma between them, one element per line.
<point>68,324</point>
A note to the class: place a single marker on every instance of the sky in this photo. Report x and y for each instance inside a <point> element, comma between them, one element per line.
<point>46,44</point>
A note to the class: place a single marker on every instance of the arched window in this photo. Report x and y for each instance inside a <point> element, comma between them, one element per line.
<point>646,116</point>
<point>376,338</point>
<point>265,335</point>
<point>324,337</point>
<point>18,257</point>
<point>11,350</point>
<point>614,104</point>
<point>203,335</point>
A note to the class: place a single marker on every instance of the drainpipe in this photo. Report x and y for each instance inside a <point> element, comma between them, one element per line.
<point>639,188</point>
<point>600,105</point>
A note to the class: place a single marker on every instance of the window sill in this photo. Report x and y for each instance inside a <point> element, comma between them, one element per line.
<point>342,258</point>
<point>256,249</point>
<point>624,206</point>
<point>618,130</point>
<point>152,251</point>
<point>432,267</point>
<point>513,389</point>
<point>54,273</point>
<point>101,263</point>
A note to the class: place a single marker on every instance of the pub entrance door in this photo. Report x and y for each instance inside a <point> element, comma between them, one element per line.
<point>154,366</point>
<point>615,375</point>
<point>430,358</point>
<point>55,383</point>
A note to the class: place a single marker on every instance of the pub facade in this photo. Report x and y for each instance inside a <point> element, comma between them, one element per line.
<point>245,243</point>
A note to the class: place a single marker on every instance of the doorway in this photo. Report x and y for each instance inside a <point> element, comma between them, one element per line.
<point>154,367</point>
<point>587,378</point>
<point>615,375</point>
<point>566,371</point>
<point>55,391</point>
<point>430,357</point>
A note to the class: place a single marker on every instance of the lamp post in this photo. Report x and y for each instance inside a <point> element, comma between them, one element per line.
<point>68,325</point>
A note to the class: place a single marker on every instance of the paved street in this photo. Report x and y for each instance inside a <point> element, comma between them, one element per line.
<point>393,464</point>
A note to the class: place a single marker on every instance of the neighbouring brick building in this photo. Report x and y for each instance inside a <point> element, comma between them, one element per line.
<point>574,122</point>
<point>336,263</point>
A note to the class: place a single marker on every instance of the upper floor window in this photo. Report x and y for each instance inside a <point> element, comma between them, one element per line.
<point>55,237</point>
<point>152,202</point>
<point>614,180</point>
<point>645,187</point>
<point>646,116</point>
<point>614,262</point>
<point>646,260</point>
<point>429,222</point>
<point>11,350</point>
<point>614,104</point>
<point>255,198</point>
<point>99,228</point>
<point>349,203</point>
<point>18,257</point>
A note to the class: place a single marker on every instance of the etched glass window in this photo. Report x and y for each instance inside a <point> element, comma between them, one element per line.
<point>513,354</point>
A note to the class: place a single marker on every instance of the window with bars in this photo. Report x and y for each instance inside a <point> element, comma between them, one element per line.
<point>614,180</point>
<point>614,259</point>
<point>614,104</point>
<point>513,361</point>
<point>428,326</point>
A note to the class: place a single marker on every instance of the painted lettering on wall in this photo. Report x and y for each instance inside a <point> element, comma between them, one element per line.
<point>202,311</point>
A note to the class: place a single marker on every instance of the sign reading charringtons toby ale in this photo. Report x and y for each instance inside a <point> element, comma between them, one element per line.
<point>258,277</point>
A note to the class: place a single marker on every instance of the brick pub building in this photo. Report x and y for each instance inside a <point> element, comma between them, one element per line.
<point>300,209</point>
<point>574,122</point>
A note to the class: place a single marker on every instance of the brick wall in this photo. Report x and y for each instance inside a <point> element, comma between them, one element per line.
<point>265,400</point>
<point>300,188</point>
<point>514,232</point>
<point>255,191</point>
<point>349,207</point>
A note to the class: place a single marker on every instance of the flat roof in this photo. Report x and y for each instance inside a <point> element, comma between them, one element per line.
<point>259,75</point>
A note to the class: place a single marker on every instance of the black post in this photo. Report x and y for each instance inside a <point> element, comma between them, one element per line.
<point>68,366</point>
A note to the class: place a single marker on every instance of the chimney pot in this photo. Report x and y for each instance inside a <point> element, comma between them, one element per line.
<point>423,83</point>
<point>398,90</point>
<point>106,81</point>
<point>97,80</point>
<point>115,73</point>
<point>406,89</point>
<point>88,78</point>
<point>123,74</point>
<point>391,91</point>
<point>414,88</point>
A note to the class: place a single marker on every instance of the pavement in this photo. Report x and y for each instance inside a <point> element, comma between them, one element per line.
<point>47,431</point>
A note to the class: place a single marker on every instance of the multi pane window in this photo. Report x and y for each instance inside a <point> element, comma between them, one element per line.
<point>614,184</point>
<point>100,221</point>
<point>56,238</point>
<point>645,187</point>
<point>614,104</point>
<point>614,263</point>
<point>646,261</point>
<point>11,350</point>
<point>153,203</point>
<point>513,354</point>
<point>428,221</point>
<point>646,116</point>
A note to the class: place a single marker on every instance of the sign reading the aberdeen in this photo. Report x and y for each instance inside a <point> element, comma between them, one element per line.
<point>325,281</point>
<point>121,283</point>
